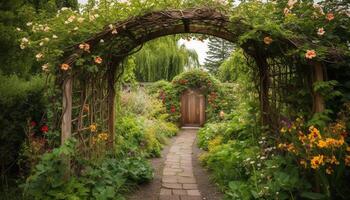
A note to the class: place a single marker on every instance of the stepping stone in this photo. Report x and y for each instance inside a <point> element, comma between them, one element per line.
<point>172,185</point>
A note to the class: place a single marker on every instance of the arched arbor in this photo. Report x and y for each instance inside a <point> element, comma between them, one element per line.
<point>92,100</point>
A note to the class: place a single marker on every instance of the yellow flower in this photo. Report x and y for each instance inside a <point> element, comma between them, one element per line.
<point>93,127</point>
<point>332,160</point>
<point>314,134</point>
<point>322,144</point>
<point>102,136</point>
<point>283,130</point>
<point>316,161</point>
<point>329,170</point>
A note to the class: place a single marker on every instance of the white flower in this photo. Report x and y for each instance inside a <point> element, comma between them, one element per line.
<point>96,15</point>
<point>45,67</point>
<point>114,31</point>
<point>66,22</point>
<point>263,138</point>
<point>102,41</point>
<point>260,142</point>
<point>321,31</point>
<point>248,159</point>
<point>64,8</point>
<point>259,165</point>
<point>18,29</point>
<point>266,187</point>
<point>80,19</point>
<point>252,162</point>
<point>39,56</point>
<point>25,40</point>
<point>111,26</point>
<point>22,46</point>
<point>263,158</point>
<point>46,29</point>
<point>41,43</point>
<point>76,28</point>
<point>54,36</point>
<point>29,23</point>
<point>46,39</point>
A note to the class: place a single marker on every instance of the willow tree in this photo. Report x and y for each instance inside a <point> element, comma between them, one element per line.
<point>163,58</point>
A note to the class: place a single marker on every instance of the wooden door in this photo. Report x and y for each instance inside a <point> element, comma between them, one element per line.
<point>192,108</point>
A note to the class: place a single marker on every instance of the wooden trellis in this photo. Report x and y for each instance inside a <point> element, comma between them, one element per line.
<point>98,93</point>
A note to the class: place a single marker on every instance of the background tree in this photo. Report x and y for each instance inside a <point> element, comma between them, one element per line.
<point>163,58</point>
<point>219,50</point>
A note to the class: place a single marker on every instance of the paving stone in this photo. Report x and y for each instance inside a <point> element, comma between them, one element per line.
<point>172,185</point>
<point>165,192</point>
<point>186,180</point>
<point>193,193</point>
<point>169,179</point>
<point>179,192</point>
<point>190,186</point>
<point>169,197</point>
<point>190,197</point>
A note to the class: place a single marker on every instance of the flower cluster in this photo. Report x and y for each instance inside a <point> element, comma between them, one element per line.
<point>318,149</point>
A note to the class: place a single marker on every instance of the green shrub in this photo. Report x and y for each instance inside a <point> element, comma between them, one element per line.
<point>20,101</point>
<point>107,179</point>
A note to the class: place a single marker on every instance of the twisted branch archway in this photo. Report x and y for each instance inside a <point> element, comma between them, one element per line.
<point>123,37</point>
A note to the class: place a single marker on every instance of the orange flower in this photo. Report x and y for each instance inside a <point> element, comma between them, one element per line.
<point>268,40</point>
<point>330,16</point>
<point>64,66</point>
<point>98,60</point>
<point>310,54</point>
<point>321,31</point>
<point>85,47</point>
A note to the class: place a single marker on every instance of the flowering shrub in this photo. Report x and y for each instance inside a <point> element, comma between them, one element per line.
<point>322,152</point>
<point>211,88</point>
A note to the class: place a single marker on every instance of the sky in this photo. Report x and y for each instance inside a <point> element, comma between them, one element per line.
<point>200,47</point>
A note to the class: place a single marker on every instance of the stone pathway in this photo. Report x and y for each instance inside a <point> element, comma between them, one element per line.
<point>178,181</point>
<point>178,173</point>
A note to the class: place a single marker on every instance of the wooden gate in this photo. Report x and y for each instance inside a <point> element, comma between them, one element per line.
<point>192,108</point>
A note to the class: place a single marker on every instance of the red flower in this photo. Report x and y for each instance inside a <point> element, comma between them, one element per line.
<point>44,129</point>
<point>172,109</point>
<point>32,123</point>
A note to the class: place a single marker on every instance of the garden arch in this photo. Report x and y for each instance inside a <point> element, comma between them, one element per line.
<point>124,36</point>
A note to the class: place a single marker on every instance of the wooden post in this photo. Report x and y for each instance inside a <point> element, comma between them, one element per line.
<point>318,101</point>
<point>264,90</point>
<point>111,104</point>
<point>66,126</point>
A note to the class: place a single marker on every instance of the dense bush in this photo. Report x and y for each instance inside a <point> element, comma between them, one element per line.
<point>107,179</point>
<point>21,101</point>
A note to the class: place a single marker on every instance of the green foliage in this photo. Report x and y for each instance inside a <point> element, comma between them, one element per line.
<point>104,180</point>
<point>219,50</point>
<point>195,79</point>
<point>20,101</point>
<point>173,60</point>
<point>142,128</point>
